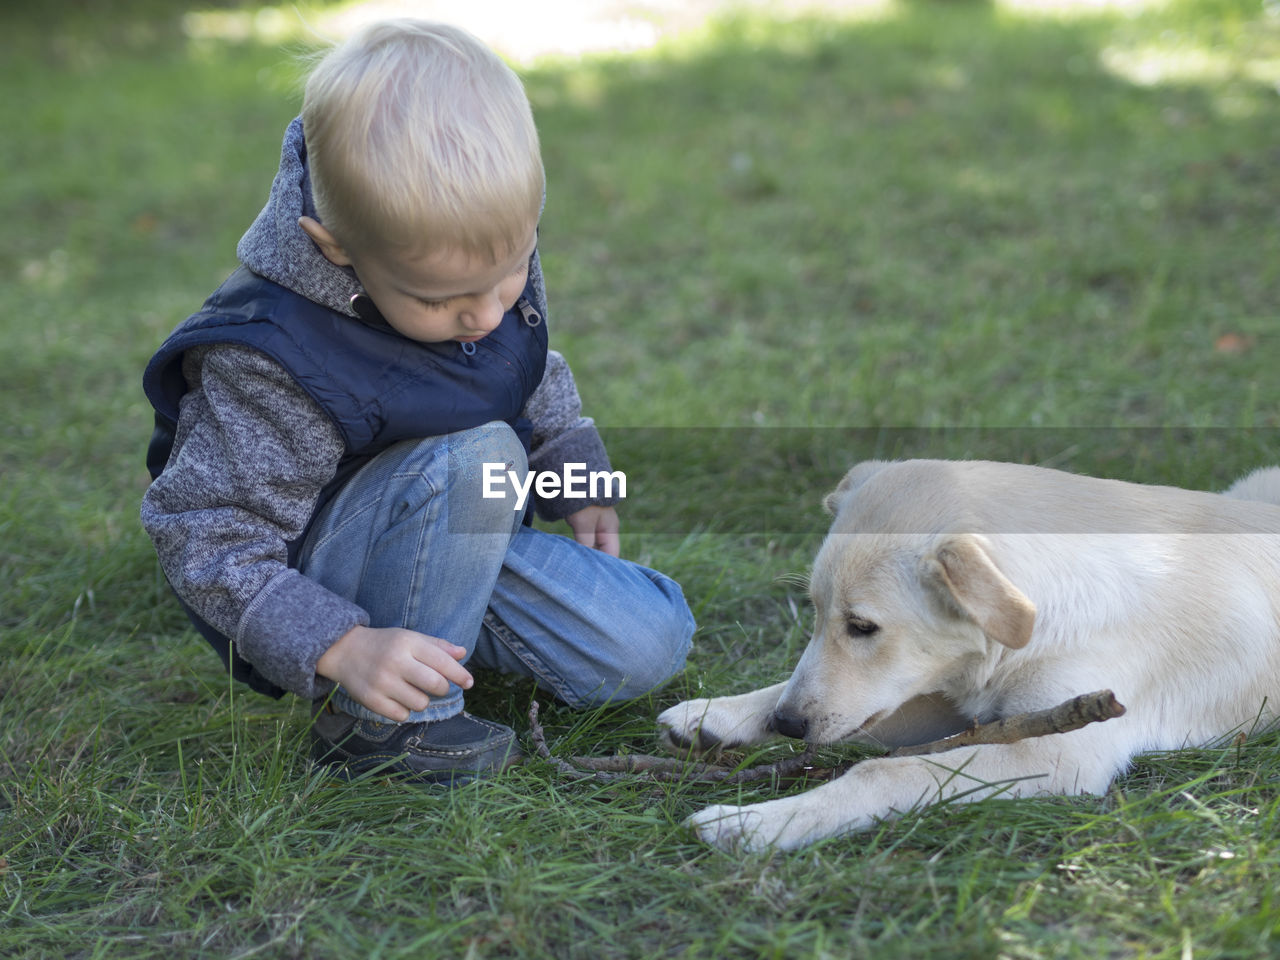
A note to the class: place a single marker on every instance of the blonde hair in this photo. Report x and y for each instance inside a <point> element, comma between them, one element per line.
<point>419,137</point>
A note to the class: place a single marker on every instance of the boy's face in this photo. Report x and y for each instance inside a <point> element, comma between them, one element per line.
<point>440,296</point>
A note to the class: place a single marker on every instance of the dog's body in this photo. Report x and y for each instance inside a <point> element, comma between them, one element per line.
<point>948,591</point>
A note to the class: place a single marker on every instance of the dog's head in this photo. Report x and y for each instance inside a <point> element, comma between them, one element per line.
<point>902,607</point>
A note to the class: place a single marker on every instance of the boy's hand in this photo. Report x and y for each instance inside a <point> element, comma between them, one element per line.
<point>393,671</point>
<point>596,527</point>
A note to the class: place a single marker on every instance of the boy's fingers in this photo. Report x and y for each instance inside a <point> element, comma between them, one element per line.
<point>452,649</point>
<point>413,699</point>
<point>436,669</point>
<point>458,674</point>
<point>388,708</point>
<point>430,682</point>
<point>609,543</point>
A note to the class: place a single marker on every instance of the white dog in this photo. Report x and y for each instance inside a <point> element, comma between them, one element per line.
<point>948,591</point>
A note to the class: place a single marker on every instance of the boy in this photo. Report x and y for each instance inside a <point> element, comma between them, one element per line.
<point>324,422</point>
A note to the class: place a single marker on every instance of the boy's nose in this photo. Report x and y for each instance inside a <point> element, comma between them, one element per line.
<point>484,315</point>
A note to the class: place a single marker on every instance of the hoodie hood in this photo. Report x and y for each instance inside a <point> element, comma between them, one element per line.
<point>275,247</point>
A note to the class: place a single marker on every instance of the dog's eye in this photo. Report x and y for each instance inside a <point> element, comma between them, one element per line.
<point>859,627</point>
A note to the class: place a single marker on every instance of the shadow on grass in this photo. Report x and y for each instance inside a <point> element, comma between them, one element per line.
<point>945,217</point>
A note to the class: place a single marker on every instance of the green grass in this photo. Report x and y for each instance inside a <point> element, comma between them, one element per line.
<point>950,230</point>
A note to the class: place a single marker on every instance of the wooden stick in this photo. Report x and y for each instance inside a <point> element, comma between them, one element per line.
<point>1065,717</point>
<point>1071,715</point>
<point>662,769</point>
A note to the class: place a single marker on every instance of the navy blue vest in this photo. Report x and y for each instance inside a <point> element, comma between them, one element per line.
<point>377,386</point>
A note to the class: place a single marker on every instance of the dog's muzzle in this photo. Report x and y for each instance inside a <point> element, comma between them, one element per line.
<point>789,725</point>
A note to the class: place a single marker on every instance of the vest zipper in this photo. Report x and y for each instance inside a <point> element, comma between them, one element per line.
<point>531,316</point>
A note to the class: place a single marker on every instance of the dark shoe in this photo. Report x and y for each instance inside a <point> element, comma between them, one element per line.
<point>455,751</point>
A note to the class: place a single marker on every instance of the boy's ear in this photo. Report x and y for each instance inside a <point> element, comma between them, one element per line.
<point>325,240</point>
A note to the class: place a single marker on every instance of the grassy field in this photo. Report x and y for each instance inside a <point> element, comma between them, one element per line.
<point>774,247</point>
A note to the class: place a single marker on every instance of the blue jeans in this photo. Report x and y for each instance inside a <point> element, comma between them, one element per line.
<point>402,540</point>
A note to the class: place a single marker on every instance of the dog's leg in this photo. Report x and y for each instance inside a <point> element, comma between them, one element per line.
<point>1076,762</point>
<point>706,725</point>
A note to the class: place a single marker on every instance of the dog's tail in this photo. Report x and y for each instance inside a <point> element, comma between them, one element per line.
<point>1263,484</point>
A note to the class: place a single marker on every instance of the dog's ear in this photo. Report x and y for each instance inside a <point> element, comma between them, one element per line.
<point>961,568</point>
<point>850,482</point>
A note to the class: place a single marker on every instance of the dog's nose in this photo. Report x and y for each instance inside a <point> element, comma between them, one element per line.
<point>789,725</point>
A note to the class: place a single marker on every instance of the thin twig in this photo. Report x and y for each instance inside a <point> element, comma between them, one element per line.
<point>539,739</point>
<point>662,769</point>
<point>1071,715</point>
<point>1065,717</point>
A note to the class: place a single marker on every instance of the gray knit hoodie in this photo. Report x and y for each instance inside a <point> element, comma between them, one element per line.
<point>252,452</point>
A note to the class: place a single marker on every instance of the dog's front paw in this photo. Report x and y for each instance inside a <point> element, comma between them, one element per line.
<point>690,727</point>
<point>705,726</point>
<point>729,828</point>
<point>739,828</point>
<point>784,824</point>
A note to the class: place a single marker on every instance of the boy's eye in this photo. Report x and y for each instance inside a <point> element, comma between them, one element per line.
<point>441,304</point>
